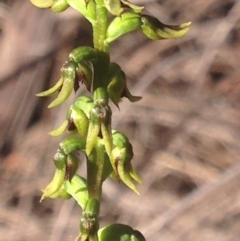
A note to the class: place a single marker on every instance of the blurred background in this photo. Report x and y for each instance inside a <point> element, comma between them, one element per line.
<point>185,131</point>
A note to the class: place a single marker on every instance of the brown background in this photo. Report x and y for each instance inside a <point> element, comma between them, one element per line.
<point>185,131</point>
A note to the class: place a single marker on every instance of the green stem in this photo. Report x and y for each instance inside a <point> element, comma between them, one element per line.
<point>100,28</point>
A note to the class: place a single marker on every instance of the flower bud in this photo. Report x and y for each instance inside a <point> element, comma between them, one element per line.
<point>68,74</point>
<point>94,128</point>
<point>117,87</point>
<point>71,144</point>
<point>156,30</point>
<point>80,121</point>
<point>54,186</point>
<point>106,129</point>
<point>127,22</point>
<point>117,83</point>
<point>121,157</point>
<point>119,232</point>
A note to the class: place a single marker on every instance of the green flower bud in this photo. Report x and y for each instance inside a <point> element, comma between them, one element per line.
<point>52,189</point>
<point>68,74</point>
<point>80,121</point>
<point>77,117</point>
<point>83,53</point>
<point>127,22</point>
<point>154,29</point>
<point>121,157</point>
<point>106,129</point>
<point>117,87</point>
<point>94,128</point>
<point>117,83</point>
<point>119,232</point>
<point>65,85</point>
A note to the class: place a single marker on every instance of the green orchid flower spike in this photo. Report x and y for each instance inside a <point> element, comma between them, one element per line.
<point>88,122</point>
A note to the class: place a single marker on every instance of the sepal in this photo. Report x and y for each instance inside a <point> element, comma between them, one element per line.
<point>69,76</point>
<point>156,30</point>
<point>52,90</point>
<point>127,22</point>
<point>121,157</point>
<point>59,130</point>
<point>117,86</point>
<point>106,130</point>
<point>80,121</point>
<point>51,191</point>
